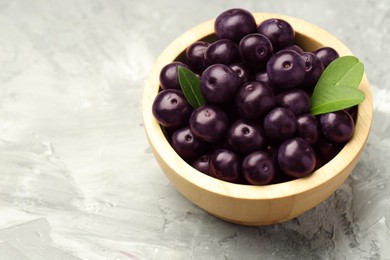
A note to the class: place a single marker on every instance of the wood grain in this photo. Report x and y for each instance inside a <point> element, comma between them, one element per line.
<point>255,205</point>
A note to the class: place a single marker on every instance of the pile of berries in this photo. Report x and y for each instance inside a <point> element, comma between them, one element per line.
<point>256,127</point>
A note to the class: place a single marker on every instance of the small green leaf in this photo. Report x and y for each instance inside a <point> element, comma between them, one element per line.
<point>344,71</point>
<point>337,87</point>
<point>335,98</point>
<point>190,85</point>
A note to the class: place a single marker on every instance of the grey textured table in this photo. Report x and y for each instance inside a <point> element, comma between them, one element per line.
<point>77,179</point>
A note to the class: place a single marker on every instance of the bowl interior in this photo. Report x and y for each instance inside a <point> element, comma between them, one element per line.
<point>309,37</point>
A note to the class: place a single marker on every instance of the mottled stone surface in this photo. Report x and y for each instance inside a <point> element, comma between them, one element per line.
<point>77,179</point>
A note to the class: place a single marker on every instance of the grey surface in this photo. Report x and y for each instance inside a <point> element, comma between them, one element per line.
<point>77,179</point>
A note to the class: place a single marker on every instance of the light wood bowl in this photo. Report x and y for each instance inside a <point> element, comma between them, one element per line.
<point>245,204</point>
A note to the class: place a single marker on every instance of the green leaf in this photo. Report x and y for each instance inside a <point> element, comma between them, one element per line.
<point>335,98</point>
<point>344,71</point>
<point>337,87</point>
<point>190,85</point>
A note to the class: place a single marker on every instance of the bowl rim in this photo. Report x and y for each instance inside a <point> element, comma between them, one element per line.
<point>161,147</point>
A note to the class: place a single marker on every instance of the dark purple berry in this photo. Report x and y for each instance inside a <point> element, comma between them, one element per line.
<point>225,165</point>
<point>280,124</point>
<point>254,99</point>
<point>219,84</point>
<point>255,50</point>
<point>352,111</point>
<point>280,32</point>
<point>194,56</point>
<point>171,109</point>
<point>296,100</point>
<point>258,168</point>
<point>262,76</point>
<point>337,126</point>
<point>234,24</point>
<point>185,144</point>
<point>286,69</point>
<point>245,137</point>
<point>242,71</point>
<point>202,164</point>
<point>308,128</point>
<point>209,123</point>
<point>295,48</point>
<point>296,157</point>
<point>326,55</point>
<point>221,52</point>
<point>168,75</point>
<point>327,150</point>
<point>314,69</point>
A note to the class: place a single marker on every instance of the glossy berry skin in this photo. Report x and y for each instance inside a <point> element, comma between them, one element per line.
<point>297,100</point>
<point>171,109</point>
<point>234,24</point>
<point>222,51</point>
<point>208,123</point>
<point>280,124</point>
<point>326,55</point>
<point>280,32</point>
<point>254,99</point>
<point>255,50</point>
<point>225,165</point>
<point>308,128</point>
<point>313,68</point>
<point>202,164</point>
<point>337,126</point>
<point>219,84</point>
<point>286,69</point>
<point>245,137</point>
<point>296,157</point>
<point>168,75</point>
<point>185,144</point>
<point>194,56</point>
<point>262,76</point>
<point>258,168</point>
<point>242,71</point>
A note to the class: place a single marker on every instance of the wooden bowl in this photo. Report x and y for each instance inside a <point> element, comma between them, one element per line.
<point>245,204</point>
